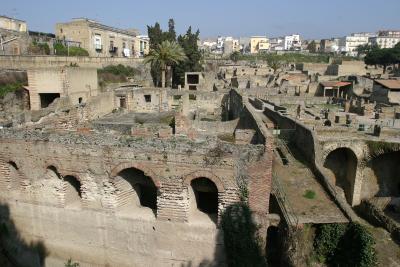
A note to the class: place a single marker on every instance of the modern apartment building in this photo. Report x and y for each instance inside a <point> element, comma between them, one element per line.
<point>349,44</point>
<point>258,44</point>
<point>386,39</point>
<point>292,42</point>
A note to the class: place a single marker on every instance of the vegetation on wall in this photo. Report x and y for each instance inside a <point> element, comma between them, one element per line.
<point>345,245</point>
<point>8,88</point>
<point>297,57</point>
<point>116,74</point>
<point>288,57</point>
<point>242,244</point>
<point>61,50</point>
<point>71,263</point>
<point>378,147</point>
<point>39,48</point>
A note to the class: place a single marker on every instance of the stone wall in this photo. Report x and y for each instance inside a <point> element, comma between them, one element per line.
<point>76,82</point>
<point>28,62</point>
<point>94,230</point>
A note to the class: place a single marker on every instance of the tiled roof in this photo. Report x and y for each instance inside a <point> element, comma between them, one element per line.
<point>390,84</point>
<point>335,84</point>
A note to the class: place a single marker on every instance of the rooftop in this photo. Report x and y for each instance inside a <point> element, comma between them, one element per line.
<point>1,16</point>
<point>95,24</point>
<point>390,84</point>
<point>335,84</point>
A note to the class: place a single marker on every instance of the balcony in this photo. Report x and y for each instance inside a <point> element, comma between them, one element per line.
<point>98,47</point>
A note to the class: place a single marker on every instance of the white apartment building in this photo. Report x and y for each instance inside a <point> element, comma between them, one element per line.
<point>349,44</point>
<point>386,39</point>
<point>276,44</point>
<point>292,42</point>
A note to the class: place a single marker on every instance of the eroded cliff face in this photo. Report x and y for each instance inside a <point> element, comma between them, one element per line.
<point>13,98</point>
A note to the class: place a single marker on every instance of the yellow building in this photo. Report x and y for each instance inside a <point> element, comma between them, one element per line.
<point>13,24</point>
<point>258,43</point>
<point>142,45</point>
<point>101,40</point>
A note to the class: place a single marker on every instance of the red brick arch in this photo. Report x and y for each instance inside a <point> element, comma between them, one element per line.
<point>140,166</point>
<point>204,174</point>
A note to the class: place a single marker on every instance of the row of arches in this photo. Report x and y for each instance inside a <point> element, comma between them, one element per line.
<point>135,192</point>
<point>376,177</point>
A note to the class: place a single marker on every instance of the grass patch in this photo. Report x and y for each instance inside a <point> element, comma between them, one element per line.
<point>309,194</point>
<point>116,74</point>
<point>230,138</point>
<point>8,88</point>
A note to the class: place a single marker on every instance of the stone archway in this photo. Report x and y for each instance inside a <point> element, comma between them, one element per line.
<point>72,191</point>
<point>204,193</point>
<point>382,176</point>
<point>203,200</point>
<point>136,192</point>
<point>147,171</point>
<point>9,177</point>
<point>207,174</point>
<point>342,164</point>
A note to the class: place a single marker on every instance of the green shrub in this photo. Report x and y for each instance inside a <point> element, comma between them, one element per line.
<point>356,248</point>
<point>310,194</point>
<point>70,263</point>
<point>78,51</point>
<point>345,245</point>
<point>39,48</point>
<point>8,88</point>
<point>119,70</point>
<point>240,237</point>
<point>116,74</point>
<point>61,50</point>
<point>327,239</point>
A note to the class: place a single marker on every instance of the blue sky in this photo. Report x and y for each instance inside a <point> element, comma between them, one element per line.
<point>310,18</point>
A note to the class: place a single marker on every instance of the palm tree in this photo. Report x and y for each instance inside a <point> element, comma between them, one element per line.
<point>165,54</point>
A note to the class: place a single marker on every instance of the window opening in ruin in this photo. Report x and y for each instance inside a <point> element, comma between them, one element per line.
<point>177,97</point>
<point>72,191</point>
<point>47,98</point>
<point>122,102</point>
<point>136,190</point>
<point>206,195</point>
<point>80,100</point>
<point>192,87</point>
<point>193,78</point>
<point>192,97</point>
<point>147,98</point>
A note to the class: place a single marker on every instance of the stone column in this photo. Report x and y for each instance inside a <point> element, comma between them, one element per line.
<point>356,197</point>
